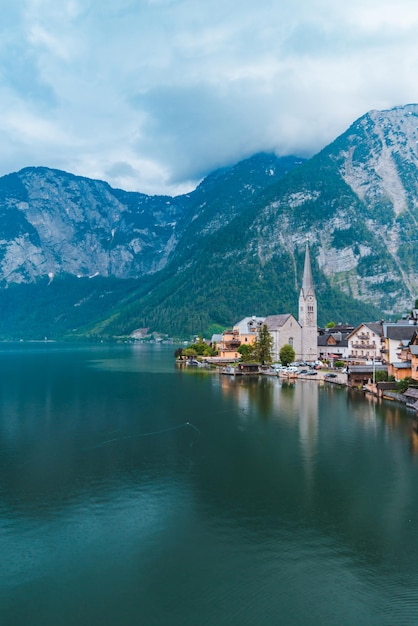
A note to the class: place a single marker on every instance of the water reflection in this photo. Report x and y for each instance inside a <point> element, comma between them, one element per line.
<point>307,401</point>
<point>291,499</point>
<point>414,438</point>
<point>272,399</point>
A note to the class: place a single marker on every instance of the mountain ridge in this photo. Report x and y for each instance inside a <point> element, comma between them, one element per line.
<point>234,245</point>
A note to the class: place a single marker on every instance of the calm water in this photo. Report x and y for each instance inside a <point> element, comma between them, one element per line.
<point>134,493</point>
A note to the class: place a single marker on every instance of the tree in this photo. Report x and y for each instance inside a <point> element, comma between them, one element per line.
<point>381,376</point>
<point>287,354</point>
<point>201,348</point>
<point>178,353</point>
<point>246,351</point>
<point>404,383</point>
<point>263,346</point>
<point>330,325</point>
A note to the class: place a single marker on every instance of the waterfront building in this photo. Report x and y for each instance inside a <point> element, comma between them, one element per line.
<point>364,343</point>
<point>392,338</point>
<point>332,346</point>
<point>244,332</point>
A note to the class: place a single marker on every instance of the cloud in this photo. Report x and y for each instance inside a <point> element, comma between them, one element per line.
<point>154,94</point>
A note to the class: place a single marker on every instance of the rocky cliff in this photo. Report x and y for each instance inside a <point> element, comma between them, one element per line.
<point>234,245</point>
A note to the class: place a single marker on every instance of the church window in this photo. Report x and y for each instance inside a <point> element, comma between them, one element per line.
<point>291,341</point>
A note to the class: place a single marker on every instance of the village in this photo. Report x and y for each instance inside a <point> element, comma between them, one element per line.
<point>378,357</point>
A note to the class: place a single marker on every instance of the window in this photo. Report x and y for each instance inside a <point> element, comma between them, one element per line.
<point>291,341</point>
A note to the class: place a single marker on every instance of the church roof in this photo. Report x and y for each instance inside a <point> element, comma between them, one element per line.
<point>274,322</point>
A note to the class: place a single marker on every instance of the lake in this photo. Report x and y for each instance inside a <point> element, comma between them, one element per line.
<point>133,492</point>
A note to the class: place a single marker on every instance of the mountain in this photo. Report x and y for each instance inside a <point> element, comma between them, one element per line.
<point>77,248</point>
<point>356,201</point>
<point>80,259</point>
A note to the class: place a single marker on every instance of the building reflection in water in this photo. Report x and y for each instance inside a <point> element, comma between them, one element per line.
<point>413,438</point>
<point>374,413</point>
<point>270,398</point>
<point>306,402</point>
<point>254,395</point>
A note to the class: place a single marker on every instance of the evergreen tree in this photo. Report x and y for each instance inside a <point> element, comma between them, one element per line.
<point>263,346</point>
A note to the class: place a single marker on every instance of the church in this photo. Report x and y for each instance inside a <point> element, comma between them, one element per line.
<point>301,334</point>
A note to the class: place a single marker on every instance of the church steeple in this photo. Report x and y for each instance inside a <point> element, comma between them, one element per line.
<point>307,283</point>
<point>308,312</point>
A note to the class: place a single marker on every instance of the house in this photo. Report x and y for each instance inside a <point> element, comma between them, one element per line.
<point>228,346</point>
<point>413,349</point>
<point>361,375</point>
<point>411,396</point>
<point>248,328</point>
<point>364,343</point>
<point>244,332</point>
<point>332,346</point>
<point>393,335</point>
<point>406,365</point>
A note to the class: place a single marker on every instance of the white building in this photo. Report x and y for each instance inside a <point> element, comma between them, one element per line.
<point>284,329</point>
<point>364,343</point>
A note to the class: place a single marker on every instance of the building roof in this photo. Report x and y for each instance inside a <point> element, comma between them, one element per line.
<point>399,332</point>
<point>341,328</point>
<point>414,350</point>
<point>332,339</point>
<point>323,340</point>
<point>402,365</point>
<point>375,327</point>
<point>274,322</point>
<point>411,393</point>
<point>366,369</point>
<point>249,324</point>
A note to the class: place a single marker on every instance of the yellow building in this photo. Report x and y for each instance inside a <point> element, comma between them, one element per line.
<point>244,332</point>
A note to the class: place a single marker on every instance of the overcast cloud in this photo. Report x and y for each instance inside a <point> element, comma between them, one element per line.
<point>151,95</point>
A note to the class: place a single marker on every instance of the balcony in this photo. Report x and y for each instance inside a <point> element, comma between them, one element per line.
<point>364,346</point>
<point>231,345</point>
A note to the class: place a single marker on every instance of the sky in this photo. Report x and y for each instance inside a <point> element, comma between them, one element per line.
<point>152,95</point>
